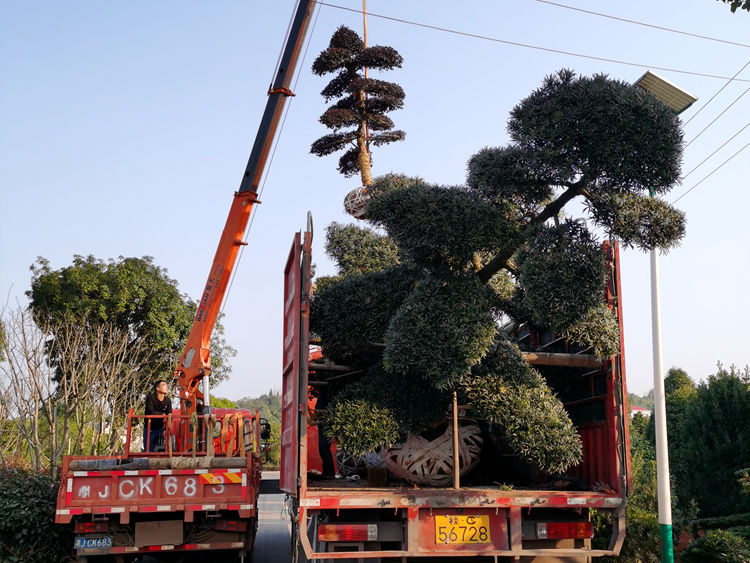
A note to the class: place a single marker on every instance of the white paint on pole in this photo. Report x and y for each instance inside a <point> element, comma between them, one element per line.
<point>660,415</point>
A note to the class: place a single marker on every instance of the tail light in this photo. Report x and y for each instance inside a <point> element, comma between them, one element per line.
<point>91,527</point>
<point>231,525</point>
<point>564,530</point>
<point>347,532</point>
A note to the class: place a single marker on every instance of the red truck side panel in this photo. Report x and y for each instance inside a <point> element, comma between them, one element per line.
<point>291,359</point>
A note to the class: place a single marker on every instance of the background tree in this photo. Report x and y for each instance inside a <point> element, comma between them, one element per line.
<point>269,407</point>
<point>715,441</point>
<point>734,4</point>
<point>27,526</point>
<point>679,391</point>
<point>131,294</point>
<point>44,417</point>
<point>496,250</point>
<point>358,118</point>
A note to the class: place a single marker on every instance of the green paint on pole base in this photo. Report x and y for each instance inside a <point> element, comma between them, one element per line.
<point>667,553</point>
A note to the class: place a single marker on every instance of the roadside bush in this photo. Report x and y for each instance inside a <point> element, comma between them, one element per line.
<point>717,546</point>
<point>27,529</point>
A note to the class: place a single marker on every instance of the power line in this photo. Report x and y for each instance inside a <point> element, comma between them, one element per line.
<point>526,45</point>
<point>718,92</point>
<point>717,150</point>
<point>254,212</point>
<point>712,171</point>
<point>644,24</point>
<point>737,99</point>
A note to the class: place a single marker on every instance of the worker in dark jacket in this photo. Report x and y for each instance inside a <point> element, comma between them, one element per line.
<point>157,403</point>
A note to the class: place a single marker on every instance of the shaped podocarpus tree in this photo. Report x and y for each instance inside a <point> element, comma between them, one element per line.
<point>358,118</point>
<point>472,258</point>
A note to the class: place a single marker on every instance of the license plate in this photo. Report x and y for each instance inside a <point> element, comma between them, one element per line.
<point>462,529</point>
<point>92,543</point>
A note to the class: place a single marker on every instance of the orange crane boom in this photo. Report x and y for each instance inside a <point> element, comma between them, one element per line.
<point>194,366</point>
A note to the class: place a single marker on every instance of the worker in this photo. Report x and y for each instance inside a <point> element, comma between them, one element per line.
<point>157,403</point>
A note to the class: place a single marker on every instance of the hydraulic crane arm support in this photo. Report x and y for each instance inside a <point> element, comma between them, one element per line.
<point>277,97</point>
<point>196,358</point>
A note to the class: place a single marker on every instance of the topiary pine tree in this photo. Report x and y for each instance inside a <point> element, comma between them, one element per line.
<point>358,118</point>
<point>495,249</point>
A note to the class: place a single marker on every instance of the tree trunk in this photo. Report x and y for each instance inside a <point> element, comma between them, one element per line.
<point>365,169</point>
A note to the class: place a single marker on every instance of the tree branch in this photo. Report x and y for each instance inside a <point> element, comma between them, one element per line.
<point>501,260</point>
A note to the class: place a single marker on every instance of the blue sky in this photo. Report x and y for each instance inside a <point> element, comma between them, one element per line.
<point>125,128</point>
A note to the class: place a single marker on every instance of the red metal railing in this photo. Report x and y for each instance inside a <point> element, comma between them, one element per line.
<point>230,433</point>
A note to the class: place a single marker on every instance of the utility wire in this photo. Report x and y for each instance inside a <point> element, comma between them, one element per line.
<point>717,150</point>
<point>737,99</point>
<point>712,172</point>
<point>645,24</point>
<point>526,45</point>
<point>270,161</point>
<point>718,92</point>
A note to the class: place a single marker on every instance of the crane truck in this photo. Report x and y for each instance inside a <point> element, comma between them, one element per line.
<point>197,492</point>
<point>516,514</point>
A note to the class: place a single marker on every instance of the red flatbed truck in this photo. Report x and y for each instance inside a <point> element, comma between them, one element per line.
<point>199,492</point>
<point>204,499</point>
<point>541,519</point>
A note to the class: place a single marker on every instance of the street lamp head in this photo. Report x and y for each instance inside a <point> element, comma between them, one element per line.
<point>666,92</point>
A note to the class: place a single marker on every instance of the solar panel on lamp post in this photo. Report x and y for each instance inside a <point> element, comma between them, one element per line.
<point>677,100</point>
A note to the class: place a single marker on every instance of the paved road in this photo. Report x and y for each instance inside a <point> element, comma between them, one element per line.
<point>272,544</point>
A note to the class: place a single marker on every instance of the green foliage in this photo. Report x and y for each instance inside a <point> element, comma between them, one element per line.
<point>717,546</point>
<point>414,403</point>
<point>531,419</point>
<point>743,478</point>
<point>606,131</point>
<point>363,102</point>
<point>638,220</point>
<point>642,538</point>
<point>714,443</point>
<point>135,296</point>
<point>268,406</point>
<point>508,174</point>
<point>562,274</point>
<point>439,227</point>
<point>731,521</point>
<point>273,454</point>
<point>734,4</point>
<point>679,391</point>
<point>222,403</point>
<point>476,254</point>
<point>359,426</point>
<point>355,310</point>
<point>598,328</point>
<point>441,330</point>
<point>357,251</point>
<point>27,512</point>
<point>645,402</point>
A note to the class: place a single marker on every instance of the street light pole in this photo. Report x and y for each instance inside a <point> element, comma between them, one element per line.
<point>678,100</point>
<point>660,421</point>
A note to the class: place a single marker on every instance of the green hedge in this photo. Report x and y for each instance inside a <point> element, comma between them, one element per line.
<point>27,512</point>
<point>717,546</point>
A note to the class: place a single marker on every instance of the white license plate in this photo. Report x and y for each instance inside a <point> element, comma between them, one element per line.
<point>93,543</point>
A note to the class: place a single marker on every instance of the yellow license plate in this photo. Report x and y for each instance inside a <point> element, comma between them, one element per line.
<point>462,529</point>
